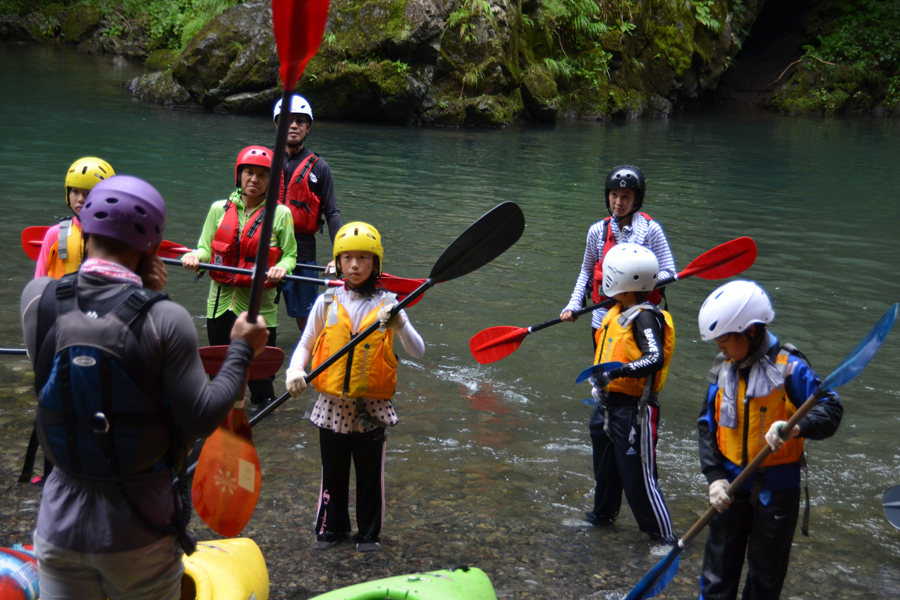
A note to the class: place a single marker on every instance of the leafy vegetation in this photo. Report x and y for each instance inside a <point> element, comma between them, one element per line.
<point>856,63</point>
<point>166,23</point>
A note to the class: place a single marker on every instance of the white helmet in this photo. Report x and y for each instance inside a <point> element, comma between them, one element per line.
<point>629,268</point>
<point>733,308</point>
<point>299,105</point>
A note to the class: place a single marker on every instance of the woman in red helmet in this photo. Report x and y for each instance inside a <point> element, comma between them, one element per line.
<point>230,237</point>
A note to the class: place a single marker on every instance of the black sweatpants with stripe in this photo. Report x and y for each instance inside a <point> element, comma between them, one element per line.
<point>618,466</point>
<point>367,451</point>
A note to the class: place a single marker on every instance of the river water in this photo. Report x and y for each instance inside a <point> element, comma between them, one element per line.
<point>491,463</point>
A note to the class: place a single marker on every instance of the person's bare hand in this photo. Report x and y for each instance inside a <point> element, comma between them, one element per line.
<point>567,315</point>
<point>190,261</point>
<point>276,274</point>
<point>153,273</point>
<point>254,333</point>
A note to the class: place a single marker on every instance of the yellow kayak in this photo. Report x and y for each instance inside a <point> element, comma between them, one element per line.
<point>225,570</point>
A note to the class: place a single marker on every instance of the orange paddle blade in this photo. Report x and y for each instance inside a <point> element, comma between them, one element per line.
<point>264,365</point>
<point>298,25</point>
<point>32,238</point>
<point>495,343</point>
<point>228,476</point>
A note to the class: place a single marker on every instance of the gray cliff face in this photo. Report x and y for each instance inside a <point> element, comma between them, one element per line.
<point>463,63</point>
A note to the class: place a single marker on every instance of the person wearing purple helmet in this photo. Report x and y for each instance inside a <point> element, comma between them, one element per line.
<point>121,395</point>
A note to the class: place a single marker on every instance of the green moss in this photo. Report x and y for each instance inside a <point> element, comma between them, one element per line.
<point>80,21</point>
<point>673,44</point>
<point>160,60</point>
<point>355,24</point>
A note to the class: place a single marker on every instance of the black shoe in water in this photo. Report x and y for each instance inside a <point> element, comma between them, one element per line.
<point>324,541</point>
<point>364,544</point>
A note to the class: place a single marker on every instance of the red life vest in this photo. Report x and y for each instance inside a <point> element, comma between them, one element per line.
<point>305,206</point>
<point>233,247</point>
<point>596,294</point>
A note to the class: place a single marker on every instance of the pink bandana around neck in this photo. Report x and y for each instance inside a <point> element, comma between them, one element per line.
<point>110,271</point>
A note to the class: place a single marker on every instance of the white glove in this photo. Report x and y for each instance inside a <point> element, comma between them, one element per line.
<point>601,381</point>
<point>773,436</point>
<point>595,392</point>
<point>296,381</point>
<point>717,496</point>
<point>396,322</point>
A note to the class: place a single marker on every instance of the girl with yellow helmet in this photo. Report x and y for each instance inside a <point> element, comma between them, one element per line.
<point>61,254</point>
<point>351,404</point>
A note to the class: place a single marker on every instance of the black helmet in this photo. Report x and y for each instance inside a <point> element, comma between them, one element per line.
<point>627,177</point>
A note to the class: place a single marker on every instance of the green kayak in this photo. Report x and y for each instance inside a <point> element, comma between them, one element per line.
<point>462,583</point>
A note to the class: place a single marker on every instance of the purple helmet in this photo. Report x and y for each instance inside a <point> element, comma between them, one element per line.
<point>127,209</point>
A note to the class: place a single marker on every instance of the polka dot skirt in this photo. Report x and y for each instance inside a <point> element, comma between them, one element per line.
<point>340,414</point>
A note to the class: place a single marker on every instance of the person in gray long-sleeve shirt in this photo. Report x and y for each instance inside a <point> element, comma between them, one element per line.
<point>98,534</point>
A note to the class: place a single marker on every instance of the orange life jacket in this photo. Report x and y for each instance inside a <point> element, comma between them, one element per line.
<point>372,370</point>
<point>304,205</point>
<point>68,251</point>
<point>742,443</point>
<point>615,342</point>
<point>233,247</point>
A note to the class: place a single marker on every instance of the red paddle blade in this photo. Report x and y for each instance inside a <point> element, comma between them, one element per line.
<point>32,238</point>
<point>298,25</point>
<point>725,260</point>
<point>402,287</point>
<point>171,250</point>
<point>228,476</point>
<point>264,365</point>
<point>495,343</point>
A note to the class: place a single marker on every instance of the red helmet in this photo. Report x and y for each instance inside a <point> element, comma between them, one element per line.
<point>251,155</point>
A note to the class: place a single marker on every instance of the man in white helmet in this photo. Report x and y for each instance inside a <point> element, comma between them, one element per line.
<point>624,426</point>
<point>755,384</point>
<point>307,189</point>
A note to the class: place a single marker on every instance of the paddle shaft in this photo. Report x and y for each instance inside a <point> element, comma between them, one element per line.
<point>13,351</point>
<point>275,177</point>
<point>340,353</point>
<point>239,271</point>
<point>752,467</point>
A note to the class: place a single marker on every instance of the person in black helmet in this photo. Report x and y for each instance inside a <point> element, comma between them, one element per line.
<point>625,190</point>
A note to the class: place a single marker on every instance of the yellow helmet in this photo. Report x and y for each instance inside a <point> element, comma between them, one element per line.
<point>358,237</point>
<point>87,172</point>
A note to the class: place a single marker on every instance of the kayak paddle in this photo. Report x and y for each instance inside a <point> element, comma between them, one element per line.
<point>726,260</point>
<point>228,458</point>
<point>891,500</point>
<point>484,240</point>
<point>13,351</point>
<point>659,576</point>
<point>33,239</point>
<point>229,461</point>
<point>397,285</point>
<point>595,370</point>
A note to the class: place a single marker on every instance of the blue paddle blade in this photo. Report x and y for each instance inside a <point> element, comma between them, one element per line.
<point>862,354</point>
<point>589,402</point>
<point>657,578</point>
<point>596,370</point>
<point>891,501</point>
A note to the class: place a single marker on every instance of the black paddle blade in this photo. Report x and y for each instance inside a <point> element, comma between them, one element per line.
<point>486,239</point>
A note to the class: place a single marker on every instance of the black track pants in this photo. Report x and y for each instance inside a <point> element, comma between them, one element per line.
<point>618,467</point>
<point>367,453</point>
<point>764,532</point>
<point>218,331</point>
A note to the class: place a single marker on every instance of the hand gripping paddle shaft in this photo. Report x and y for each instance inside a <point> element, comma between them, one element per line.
<point>298,25</point>
<point>659,576</point>
<point>725,260</point>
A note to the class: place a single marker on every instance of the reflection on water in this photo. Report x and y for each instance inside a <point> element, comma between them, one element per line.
<point>491,463</point>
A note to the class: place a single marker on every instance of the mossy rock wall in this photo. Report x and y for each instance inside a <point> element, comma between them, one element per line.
<point>464,62</point>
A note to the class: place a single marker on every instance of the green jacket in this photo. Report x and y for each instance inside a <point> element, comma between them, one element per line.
<point>222,297</point>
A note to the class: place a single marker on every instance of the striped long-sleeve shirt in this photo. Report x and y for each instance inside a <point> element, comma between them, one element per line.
<point>646,233</point>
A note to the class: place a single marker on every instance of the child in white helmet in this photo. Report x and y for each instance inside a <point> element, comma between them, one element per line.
<point>351,406</point>
<point>624,424</point>
<point>755,384</point>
